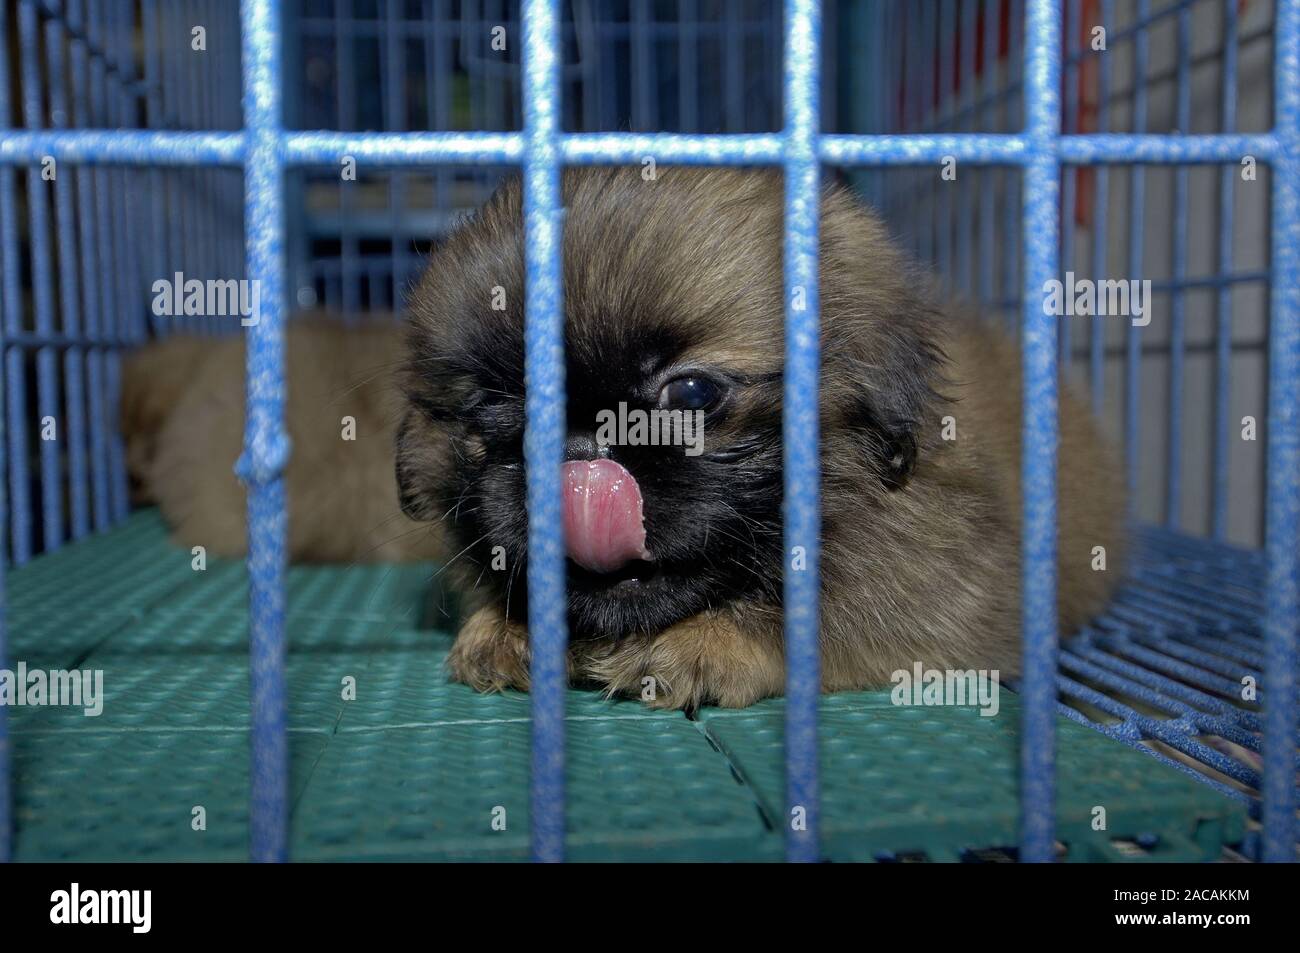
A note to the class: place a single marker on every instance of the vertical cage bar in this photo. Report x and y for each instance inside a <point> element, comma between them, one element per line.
<point>154,120</point>
<point>89,251</point>
<point>1013,120</point>
<point>988,175</point>
<point>69,292</point>
<point>688,64</point>
<point>1178,294</point>
<point>1223,298</point>
<point>545,414</point>
<point>118,32</point>
<point>735,27</point>
<point>108,274</point>
<point>1282,541</point>
<point>926,50</point>
<point>20,523</point>
<point>1136,225</point>
<point>641,49</point>
<point>969,94</point>
<point>800,426</point>
<point>1101,205</point>
<point>345,75</point>
<point>194,81</point>
<point>38,217</point>
<point>1041,226</point>
<point>944,110</point>
<point>266,448</point>
<point>186,102</point>
<point>1069,174</point>
<point>393,57</point>
<point>9,305</point>
<point>171,36</point>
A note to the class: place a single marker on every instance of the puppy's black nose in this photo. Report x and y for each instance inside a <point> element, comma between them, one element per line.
<point>582,445</point>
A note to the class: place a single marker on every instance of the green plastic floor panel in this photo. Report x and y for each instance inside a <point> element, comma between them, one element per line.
<point>416,768</point>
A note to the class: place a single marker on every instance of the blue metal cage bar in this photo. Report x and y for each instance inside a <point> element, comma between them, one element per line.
<point>264,149</point>
<point>266,446</point>
<point>801,426</point>
<point>1282,542</point>
<point>545,430</point>
<point>1041,230</point>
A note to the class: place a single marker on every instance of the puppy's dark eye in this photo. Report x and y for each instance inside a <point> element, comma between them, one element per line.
<point>689,393</point>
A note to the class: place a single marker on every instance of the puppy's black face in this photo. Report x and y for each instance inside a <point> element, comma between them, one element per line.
<point>711,520</point>
<point>673,303</point>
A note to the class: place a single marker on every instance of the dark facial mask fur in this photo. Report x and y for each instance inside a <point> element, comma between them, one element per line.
<point>680,276</point>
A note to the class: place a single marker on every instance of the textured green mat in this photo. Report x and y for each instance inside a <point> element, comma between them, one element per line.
<point>416,768</point>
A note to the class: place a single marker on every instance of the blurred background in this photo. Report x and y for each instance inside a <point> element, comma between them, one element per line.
<point>78,254</point>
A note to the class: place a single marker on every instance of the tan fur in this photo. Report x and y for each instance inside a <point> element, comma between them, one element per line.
<point>491,652</point>
<point>154,379</point>
<point>929,572</point>
<point>183,422</point>
<point>711,657</point>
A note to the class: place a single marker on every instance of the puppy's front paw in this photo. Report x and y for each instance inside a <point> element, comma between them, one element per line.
<point>491,653</point>
<point>701,660</point>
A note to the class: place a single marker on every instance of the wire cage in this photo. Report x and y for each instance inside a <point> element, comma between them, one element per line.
<point>141,139</point>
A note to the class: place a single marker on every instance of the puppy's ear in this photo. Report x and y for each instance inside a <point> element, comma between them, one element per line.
<point>890,444</point>
<point>894,374</point>
<point>880,339</point>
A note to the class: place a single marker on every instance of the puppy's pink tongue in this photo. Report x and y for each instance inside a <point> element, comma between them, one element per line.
<point>603,527</point>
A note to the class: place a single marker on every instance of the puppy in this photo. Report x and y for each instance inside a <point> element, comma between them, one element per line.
<point>673,299</point>
<point>182,421</point>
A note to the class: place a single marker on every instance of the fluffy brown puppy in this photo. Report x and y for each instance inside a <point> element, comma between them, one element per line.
<point>182,419</point>
<point>673,297</point>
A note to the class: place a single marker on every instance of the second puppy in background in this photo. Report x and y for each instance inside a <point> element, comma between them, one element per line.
<point>182,419</point>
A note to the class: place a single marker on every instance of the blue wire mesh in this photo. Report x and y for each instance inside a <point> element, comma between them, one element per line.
<point>1162,370</point>
<point>166,177</point>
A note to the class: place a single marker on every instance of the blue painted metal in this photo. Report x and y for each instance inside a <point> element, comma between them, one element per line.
<point>10,304</point>
<point>1013,182</point>
<point>1151,667</point>
<point>1100,237</point>
<point>1178,300</point>
<point>943,201</point>
<point>1069,175</point>
<point>986,119</point>
<point>1282,538</point>
<point>800,426</point>
<point>150,147</point>
<point>47,384</point>
<point>395,118</point>
<point>965,216</point>
<point>1136,236</point>
<point>644,109</point>
<point>117,26</point>
<point>545,431</point>
<point>70,297</point>
<point>1038,469</point>
<point>266,446</point>
<point>1223,300</point>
